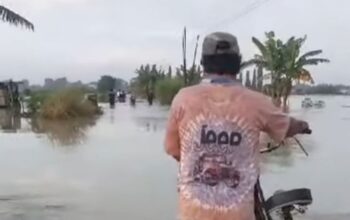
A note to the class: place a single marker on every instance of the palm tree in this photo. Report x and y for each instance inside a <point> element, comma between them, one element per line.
<point>13,18</point>
<point>284,63</point>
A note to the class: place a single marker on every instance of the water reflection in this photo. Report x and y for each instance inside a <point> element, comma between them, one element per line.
<point>151,124</point>
<point>63,133</point>
<point>282,157</point>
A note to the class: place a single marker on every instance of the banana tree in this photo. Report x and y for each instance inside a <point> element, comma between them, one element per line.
<point>13,18</point>
<point>272,60</point>
<point>295,65</point>
<point>284,64</point>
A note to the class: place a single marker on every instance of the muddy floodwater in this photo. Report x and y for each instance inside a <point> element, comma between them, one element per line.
<point>114,167</point>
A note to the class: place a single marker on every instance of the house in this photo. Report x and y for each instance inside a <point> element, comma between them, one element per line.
<point>9,94</point>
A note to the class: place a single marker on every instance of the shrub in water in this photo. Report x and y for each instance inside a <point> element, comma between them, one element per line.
<point>166,89</point>
<point>67,104</point>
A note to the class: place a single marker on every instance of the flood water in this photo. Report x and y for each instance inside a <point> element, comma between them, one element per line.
<point>114,167</point>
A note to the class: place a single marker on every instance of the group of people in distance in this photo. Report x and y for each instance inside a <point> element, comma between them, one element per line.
<point>120,95</point>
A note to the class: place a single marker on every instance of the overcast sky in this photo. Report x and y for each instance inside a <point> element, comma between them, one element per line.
<point>83,39</point>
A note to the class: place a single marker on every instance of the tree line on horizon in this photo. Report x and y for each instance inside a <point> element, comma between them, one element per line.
<point>164,83</point>
<point>281,62</point>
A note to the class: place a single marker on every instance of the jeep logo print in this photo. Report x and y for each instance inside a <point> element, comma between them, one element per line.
<point>221,138</point>
<point>218,165</point>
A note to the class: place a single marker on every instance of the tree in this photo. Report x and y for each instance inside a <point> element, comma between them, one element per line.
<point>121,84</point>
<point>11,17</point>
<point>178,72</point>
<point>284,64</point>
<point>260,78</point>
<point>147,78</point>
<point>151,77</point>
<point>248,83</point>
<point>194,75</point>
<point>254,80</point>
<point>106,83</point>
<point>169,73</point>
<point>240,77</point>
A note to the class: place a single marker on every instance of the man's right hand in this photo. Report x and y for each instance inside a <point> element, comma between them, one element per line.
<point>298,127</point>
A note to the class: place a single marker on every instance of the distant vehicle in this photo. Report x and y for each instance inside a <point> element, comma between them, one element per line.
<point>121,97</point>
<point>307,103</point>
<point>319,104</point>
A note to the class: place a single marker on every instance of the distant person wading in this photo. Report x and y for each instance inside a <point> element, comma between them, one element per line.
<point>132,100</point>
<point>150,97</point>
<point>111,97</point>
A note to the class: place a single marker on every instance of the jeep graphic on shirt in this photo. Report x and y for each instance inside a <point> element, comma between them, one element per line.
<point>218,167</point>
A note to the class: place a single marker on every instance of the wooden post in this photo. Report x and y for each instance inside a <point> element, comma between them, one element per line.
<point>184,56</point>
<point>193,68</point>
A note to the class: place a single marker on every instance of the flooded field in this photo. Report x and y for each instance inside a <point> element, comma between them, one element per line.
<point>114,167</point>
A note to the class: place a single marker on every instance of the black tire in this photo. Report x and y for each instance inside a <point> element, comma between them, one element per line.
<point>285,199</point>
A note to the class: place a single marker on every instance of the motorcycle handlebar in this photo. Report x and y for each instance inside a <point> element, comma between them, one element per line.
<point>272,148</point>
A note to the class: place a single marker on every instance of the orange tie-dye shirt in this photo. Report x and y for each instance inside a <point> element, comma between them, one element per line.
<point>214,130</point>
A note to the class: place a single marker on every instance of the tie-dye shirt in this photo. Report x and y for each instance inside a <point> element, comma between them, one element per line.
<point>214,129</point>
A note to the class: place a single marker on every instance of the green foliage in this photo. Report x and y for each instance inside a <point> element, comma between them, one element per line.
<point>146,79</point>
<point>103,97</point>
<point>166,89</point>
<point>284,63</point>
<point>35,101</point>
<point>120,84</point>
<point>153,79</point>
<point>106,83</point>
<point>194,75</point>
<point>170,72</point>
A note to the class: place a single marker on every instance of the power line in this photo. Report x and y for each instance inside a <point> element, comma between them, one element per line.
<point>230,20</point>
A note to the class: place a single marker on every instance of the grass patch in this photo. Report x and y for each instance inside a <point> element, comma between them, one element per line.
<point>166,90</point>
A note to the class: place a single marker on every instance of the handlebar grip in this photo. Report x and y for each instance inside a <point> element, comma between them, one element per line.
<point>307,131</point>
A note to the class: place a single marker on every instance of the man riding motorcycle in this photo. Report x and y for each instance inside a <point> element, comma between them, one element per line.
<point>213,132</point>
